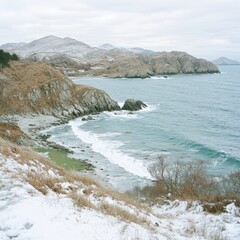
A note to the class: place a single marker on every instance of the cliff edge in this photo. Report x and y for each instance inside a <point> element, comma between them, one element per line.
<point>38,88</point>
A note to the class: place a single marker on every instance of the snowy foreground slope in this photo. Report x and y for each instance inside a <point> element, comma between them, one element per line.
<point>38,201</point>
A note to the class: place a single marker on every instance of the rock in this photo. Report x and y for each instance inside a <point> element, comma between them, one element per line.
<point>133,105</point>
<point>88,118</point>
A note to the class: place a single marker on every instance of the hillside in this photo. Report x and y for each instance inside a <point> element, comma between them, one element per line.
<point>36,87</point>
<point>40,200</point>
<point>225,61</point>
<point>82,59</point>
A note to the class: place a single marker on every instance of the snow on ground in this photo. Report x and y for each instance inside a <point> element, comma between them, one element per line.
<point>26,213</point>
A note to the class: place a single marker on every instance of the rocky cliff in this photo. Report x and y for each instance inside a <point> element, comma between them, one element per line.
<point>38,88</point>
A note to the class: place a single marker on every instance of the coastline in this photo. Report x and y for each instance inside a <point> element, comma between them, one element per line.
<point>33,124</point>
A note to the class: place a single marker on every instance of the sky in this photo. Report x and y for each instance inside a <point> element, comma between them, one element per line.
<point>205,28</point>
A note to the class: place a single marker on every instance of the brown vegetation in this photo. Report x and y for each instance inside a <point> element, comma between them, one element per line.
<point>27,87</point>
<point>12,133</point>
<point>123,214</point>
<point>18,84</point>
<point>46,177</point>
<point>190,181</point>
<point>24,76</point>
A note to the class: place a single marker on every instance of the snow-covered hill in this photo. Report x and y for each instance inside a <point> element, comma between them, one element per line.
<point>40,201</point>
<point>12,46</point>
<point>52,44</point>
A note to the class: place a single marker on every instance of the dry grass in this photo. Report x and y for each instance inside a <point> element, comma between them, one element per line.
<point>82,201</point>
<point>44,183</point>
<point>101,191</point>
<point>25,155</point>
<point>76,177</point>
<point>122,214</point>
<point>39,177</point>
<point>12,132</point>
<point>25,76</point>
<point>193,230</point>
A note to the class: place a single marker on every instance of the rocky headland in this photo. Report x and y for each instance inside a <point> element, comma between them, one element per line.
<point>34,87</point>
<point>75,58</point>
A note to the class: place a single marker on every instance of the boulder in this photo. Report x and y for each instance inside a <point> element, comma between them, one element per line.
<point>133,105</point>
<point>88,118</point>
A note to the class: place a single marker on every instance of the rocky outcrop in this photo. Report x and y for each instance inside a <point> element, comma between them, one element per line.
<point>180,62</point>
<point>38,88</point>
<point>131,65</point>
<point>133,105</point>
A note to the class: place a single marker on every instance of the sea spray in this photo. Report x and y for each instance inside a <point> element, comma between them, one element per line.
<point>110,150</point>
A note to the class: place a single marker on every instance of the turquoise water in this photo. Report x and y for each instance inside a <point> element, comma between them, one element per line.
<point>190,117</point>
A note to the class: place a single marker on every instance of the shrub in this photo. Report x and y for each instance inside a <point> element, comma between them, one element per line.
<point>231,187</point>
<point>5,57</point>
<point>189,181</point>
<point>182,179</point>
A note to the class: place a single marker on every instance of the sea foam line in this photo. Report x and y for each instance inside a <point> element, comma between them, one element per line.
<point>110,150</point>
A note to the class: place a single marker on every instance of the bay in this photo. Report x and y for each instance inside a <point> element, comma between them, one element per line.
<point>189,117</point>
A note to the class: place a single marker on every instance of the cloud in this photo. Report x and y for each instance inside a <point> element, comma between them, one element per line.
<point>206,28</point>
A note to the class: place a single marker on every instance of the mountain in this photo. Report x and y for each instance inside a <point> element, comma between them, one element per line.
<point>225,61</point>
<point>107,46</point>
<point>12,46</point>
<point>76,58</point>
<point>141,51</point>
<point>52,44</point>
<point>135,50</point>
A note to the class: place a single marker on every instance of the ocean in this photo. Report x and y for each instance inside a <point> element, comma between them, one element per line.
<point>189,117</point>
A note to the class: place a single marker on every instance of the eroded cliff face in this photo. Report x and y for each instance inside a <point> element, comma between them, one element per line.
<point>36,87</point>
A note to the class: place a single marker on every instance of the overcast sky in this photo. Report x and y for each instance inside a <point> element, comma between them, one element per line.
<point>205,28</point>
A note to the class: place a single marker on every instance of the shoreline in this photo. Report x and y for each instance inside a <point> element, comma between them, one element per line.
<point>33,124</point>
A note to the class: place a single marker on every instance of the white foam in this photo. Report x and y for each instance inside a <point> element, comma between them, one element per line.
<point>111,151</point>
<point>122,115</point>
<point>110,134</point>
<point>120,104</point>
<point>149,108</point>
<point>159,77</point>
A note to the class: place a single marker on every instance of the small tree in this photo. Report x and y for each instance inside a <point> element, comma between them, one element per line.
<point>15,57</point>
<point>5,57</point>
<point>182,179</point>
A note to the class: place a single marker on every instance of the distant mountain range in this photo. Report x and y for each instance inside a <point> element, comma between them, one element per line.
<point>136,50</point>
<point>225,61</point>
<point>74,57</point>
